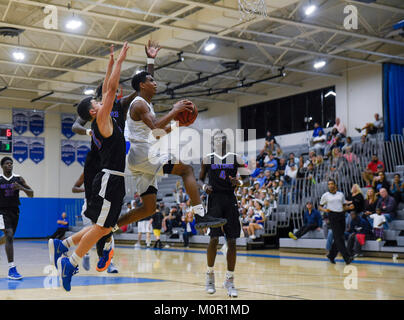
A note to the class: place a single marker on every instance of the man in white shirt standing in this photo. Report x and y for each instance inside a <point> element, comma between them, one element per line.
<point>333,203</point>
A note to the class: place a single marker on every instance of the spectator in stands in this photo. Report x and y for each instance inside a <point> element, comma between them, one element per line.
<point>279,153</point>
<point>379,182</point>
<point>356,202</point>
<point>317,129</point>
<point>257,221</point>
<point>311,159</point>
<point>331,137</point>
<point>301,169</point>
<point>182,197</point>
<point>157,224</point>
<point>397,189</point>
<point>271,164</point>
<point>348,143</point>
<point>360,230</point>
<point>267,208</point>
<point>370,202</point>
<point>320,142</point>
<point>372,127</point>
<point>337,143</point>
<point>387,205</point>
<point>173,220</point>
<point>282,166</point>
<point>163,209</point>
<point>349,156</point>
<point>246,220</point>
<point>290,173</point>
<point>270,141</point>
<point>378,220</point>
<point>292,157</point>
<point>188,223</point>
<point>371,170</point>
<point>63,226</point>
<point>311,221</point>
<point>340,127</point>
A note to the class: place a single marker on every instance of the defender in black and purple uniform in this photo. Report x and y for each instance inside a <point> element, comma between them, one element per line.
<point>10,186</point>
<point>222,168</point>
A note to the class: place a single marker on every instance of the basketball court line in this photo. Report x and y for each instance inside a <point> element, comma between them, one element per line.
<point>38,282</point>
<point>257,255</point>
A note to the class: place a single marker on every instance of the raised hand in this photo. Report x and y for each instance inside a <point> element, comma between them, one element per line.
<point>152,48</point>
<point>122,55</point>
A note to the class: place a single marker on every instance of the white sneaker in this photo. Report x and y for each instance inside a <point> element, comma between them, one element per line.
<point>229,285</point>
<point>86,262</point>
<point>112,268</point>
<point>253,237</point>
<point>137,245</point>
<point>167,246</point>
<point>210,283</point>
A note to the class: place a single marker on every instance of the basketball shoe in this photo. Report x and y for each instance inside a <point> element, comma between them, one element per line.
<point>56,249</point>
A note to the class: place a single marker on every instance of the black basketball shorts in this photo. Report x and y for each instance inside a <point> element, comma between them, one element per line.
<point>9,218</point>
<point>224,206</point>
<point>105,206</point>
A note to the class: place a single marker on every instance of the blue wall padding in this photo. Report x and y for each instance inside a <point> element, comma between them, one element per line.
<point>38,216</point>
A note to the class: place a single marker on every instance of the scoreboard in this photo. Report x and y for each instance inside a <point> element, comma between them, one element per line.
<point>6,138</point>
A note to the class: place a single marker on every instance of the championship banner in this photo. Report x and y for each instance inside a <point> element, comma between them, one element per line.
<point>20,120</point>
<point>68,151</point>
<point>36,122</point>
<point>37,149</point>
<point>67,121</point>
<point>20,148</point>
<point>82,148</point>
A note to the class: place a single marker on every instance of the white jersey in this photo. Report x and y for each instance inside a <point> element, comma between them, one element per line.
<point>138,131</point>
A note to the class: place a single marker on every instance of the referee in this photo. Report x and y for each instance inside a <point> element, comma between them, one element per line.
<point>334,202</point>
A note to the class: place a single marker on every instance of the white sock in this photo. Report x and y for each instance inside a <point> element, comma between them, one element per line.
<point>229,274</point>
<point>199,209</point>
<point>75,259</point>
<point>210,270</point>
<point>108,245</point>
<point>11,265</point>
<point>68,242</point>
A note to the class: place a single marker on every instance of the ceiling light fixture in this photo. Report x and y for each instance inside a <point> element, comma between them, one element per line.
<point>19,55</point>
<point>319,64</point>
<point>330,93</point>
<point>310,9</point>
<point>89,92</point>
<point>210,46</point>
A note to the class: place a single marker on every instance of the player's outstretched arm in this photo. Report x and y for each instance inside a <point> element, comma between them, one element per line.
<point>104,120</point>
<point>109,70</point>
<point>152,48</point>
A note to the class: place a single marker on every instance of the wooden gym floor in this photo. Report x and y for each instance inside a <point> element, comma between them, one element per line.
<point>179,274</point>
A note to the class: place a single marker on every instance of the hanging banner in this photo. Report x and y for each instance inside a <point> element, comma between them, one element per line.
<point>20,120</point>
<point>20,148</point>
<point>37,149</point>
<point>68,151</point>
<point>82,148</point>
<point>67,120</point>
<point>36,122</point>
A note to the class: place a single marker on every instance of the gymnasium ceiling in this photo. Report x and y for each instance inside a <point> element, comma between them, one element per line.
<point>68,62</point>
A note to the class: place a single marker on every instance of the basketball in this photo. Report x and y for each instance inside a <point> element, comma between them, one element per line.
<point>186,118</point>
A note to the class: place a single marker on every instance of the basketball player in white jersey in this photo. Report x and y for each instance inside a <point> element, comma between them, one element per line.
<point>148,165</point>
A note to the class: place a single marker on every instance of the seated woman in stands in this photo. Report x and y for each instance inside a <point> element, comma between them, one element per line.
<point>246,219</point>
<point>258,220</point>
<point>370,203</point>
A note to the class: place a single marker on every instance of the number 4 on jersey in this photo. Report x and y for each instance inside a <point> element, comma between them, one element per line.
<point>222,175</point>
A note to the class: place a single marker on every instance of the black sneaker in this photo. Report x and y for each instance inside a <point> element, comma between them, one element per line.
<point>208,222</point>
<point>349,260</point>
<point>331,260</point>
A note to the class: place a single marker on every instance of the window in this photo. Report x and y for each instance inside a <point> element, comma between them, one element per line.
<point>287,115</point>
